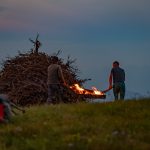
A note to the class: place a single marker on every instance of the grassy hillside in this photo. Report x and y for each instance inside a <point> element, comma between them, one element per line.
<point>105,126</point>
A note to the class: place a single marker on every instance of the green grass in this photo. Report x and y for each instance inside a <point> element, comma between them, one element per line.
<point>84,126</point>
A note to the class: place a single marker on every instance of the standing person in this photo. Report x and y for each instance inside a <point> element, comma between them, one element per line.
<point>117,75</point>
<point>55,82</point>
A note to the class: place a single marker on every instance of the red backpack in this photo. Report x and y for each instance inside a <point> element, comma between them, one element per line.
<point>1,112</point>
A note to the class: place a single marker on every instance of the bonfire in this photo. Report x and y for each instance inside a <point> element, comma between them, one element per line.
<point>24,78</point>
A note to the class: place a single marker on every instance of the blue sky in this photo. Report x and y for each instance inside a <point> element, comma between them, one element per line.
<point>95,32</point>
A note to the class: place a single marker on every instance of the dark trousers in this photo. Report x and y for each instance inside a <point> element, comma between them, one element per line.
<point>55,93</point>
<point>119,90</point>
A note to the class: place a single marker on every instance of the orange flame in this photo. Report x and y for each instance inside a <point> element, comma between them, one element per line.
<point>80,90</point>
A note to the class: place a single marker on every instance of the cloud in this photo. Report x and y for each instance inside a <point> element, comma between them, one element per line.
<point>2,9</point>
<point>66,14</point>
<point>79,9</point>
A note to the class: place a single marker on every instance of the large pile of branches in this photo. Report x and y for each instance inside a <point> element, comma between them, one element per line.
<point>24,78</point>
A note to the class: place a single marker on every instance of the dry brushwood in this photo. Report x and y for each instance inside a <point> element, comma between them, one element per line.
<point>24,78</point>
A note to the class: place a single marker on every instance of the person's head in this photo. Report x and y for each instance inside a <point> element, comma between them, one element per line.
<point>54,59</point>
<point>115,64</point>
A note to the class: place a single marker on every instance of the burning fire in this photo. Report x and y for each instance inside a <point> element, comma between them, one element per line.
<point>80,90</point>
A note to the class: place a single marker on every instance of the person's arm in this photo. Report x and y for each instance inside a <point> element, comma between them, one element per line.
<point>124,75</point>
<point>110,80</point>
<point>110,83</point>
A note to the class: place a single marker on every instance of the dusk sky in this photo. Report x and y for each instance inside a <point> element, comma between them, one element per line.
<point>95,32</point>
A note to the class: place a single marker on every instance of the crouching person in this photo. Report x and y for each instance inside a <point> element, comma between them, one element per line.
<point>5,109</point>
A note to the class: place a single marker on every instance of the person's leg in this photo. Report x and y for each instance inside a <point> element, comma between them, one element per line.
<point>60,93</point>
<point>116,91</point>
<point>49,99</point>
<point>64,93</point>
<point>55,94</point>
<point>122,91</point>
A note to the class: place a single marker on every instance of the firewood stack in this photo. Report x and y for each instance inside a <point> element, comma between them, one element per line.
<point>24,78</point>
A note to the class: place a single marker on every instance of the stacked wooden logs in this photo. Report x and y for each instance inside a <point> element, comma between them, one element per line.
<point>24,78</point>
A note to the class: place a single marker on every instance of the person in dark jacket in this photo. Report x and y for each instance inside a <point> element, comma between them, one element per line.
<point>117,76</point>
<point>55,82</point>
